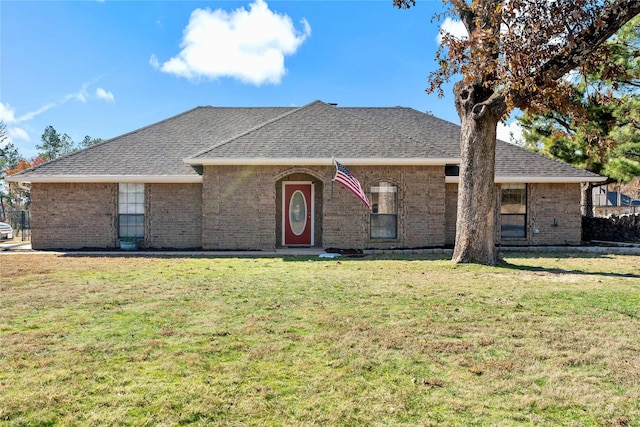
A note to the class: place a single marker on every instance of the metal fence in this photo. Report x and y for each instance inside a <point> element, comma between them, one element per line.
<point>21,224</point>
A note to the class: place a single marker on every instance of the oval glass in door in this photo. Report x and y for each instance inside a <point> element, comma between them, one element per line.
<point>298,213</point>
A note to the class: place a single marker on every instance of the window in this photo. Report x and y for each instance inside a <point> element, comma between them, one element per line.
<point>384,211</point>
<point>130,210</point>
<point>513,211</point>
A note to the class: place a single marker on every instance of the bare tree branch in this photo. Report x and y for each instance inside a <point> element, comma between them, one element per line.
<point>466,15</point>
<point>563,123</point>
<point>613,17</point>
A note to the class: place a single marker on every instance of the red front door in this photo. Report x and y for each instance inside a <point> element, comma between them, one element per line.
<point>297,221</point>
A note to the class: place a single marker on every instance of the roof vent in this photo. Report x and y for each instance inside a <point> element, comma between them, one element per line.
<point>333,104</point>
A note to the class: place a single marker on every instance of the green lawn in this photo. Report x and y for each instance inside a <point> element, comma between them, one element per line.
<point>551,340</point>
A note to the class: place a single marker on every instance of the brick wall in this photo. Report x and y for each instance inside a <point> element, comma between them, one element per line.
<point>420,202</point>
<point>451,211</point>
<point>545,203</point>
<point>424,197</point>
<point>239,207</point>
<point>554,217</point>
<point>73,216</point>
<point>174,216</point>
<point>242,206</point>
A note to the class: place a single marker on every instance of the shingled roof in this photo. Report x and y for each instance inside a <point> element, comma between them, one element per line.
<point>154,152</point>
<point>169,150</point>
<point>318,132</point>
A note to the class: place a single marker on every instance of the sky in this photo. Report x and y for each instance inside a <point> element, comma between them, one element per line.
<point>105,68</point>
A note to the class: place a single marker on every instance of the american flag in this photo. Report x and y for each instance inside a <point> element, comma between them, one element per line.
<point>344,177</point>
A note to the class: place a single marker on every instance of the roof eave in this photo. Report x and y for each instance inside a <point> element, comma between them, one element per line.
<point>315,161</point>
<point>151,179</point>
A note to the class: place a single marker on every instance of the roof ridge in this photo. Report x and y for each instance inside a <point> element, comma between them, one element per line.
<point>85,149</point>
<point>253,129</point>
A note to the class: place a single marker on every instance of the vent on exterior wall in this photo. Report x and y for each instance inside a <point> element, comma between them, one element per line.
<point>452,170</point>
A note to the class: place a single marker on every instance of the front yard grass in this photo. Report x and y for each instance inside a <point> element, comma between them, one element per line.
<point>551,340</point>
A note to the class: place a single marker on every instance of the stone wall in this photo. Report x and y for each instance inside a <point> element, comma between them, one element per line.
<point>624,228</point>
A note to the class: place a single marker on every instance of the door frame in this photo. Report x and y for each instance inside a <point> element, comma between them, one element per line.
<point>284,216</point>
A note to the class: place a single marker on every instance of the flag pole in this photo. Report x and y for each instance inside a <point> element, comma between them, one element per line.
<point>333,163</point>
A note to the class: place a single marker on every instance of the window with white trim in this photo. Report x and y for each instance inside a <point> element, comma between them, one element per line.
<point>384,211</point>
<point>130,210</point>
<point>513,211</point>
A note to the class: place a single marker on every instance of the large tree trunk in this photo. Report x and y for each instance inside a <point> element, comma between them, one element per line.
<point>475,226</point>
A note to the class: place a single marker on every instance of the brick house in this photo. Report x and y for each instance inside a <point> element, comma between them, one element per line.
<point>261,178</point>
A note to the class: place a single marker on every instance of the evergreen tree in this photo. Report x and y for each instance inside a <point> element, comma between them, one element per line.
<point>603,132</point>
<point>54,145</point>
<point>88,142</point>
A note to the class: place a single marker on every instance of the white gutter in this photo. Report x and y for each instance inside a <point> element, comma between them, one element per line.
<point>197,179</point>
<point>150,179</point>
<point>314,161</point>
<point>536,179</point>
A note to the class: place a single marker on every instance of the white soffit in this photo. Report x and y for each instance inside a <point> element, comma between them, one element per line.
<point>150,179</point>
<point>536,179</point>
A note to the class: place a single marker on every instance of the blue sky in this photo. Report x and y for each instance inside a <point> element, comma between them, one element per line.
<point>104,68</point>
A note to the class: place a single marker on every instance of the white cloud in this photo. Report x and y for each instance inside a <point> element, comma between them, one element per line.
<point>104,95</point>
<point>81,95</point>
<point>17,133</point>
<point>31,114</point>
<point>454,27</point>
<point>511,132</point>
<point>249,45</point>
<point>7,115</point>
